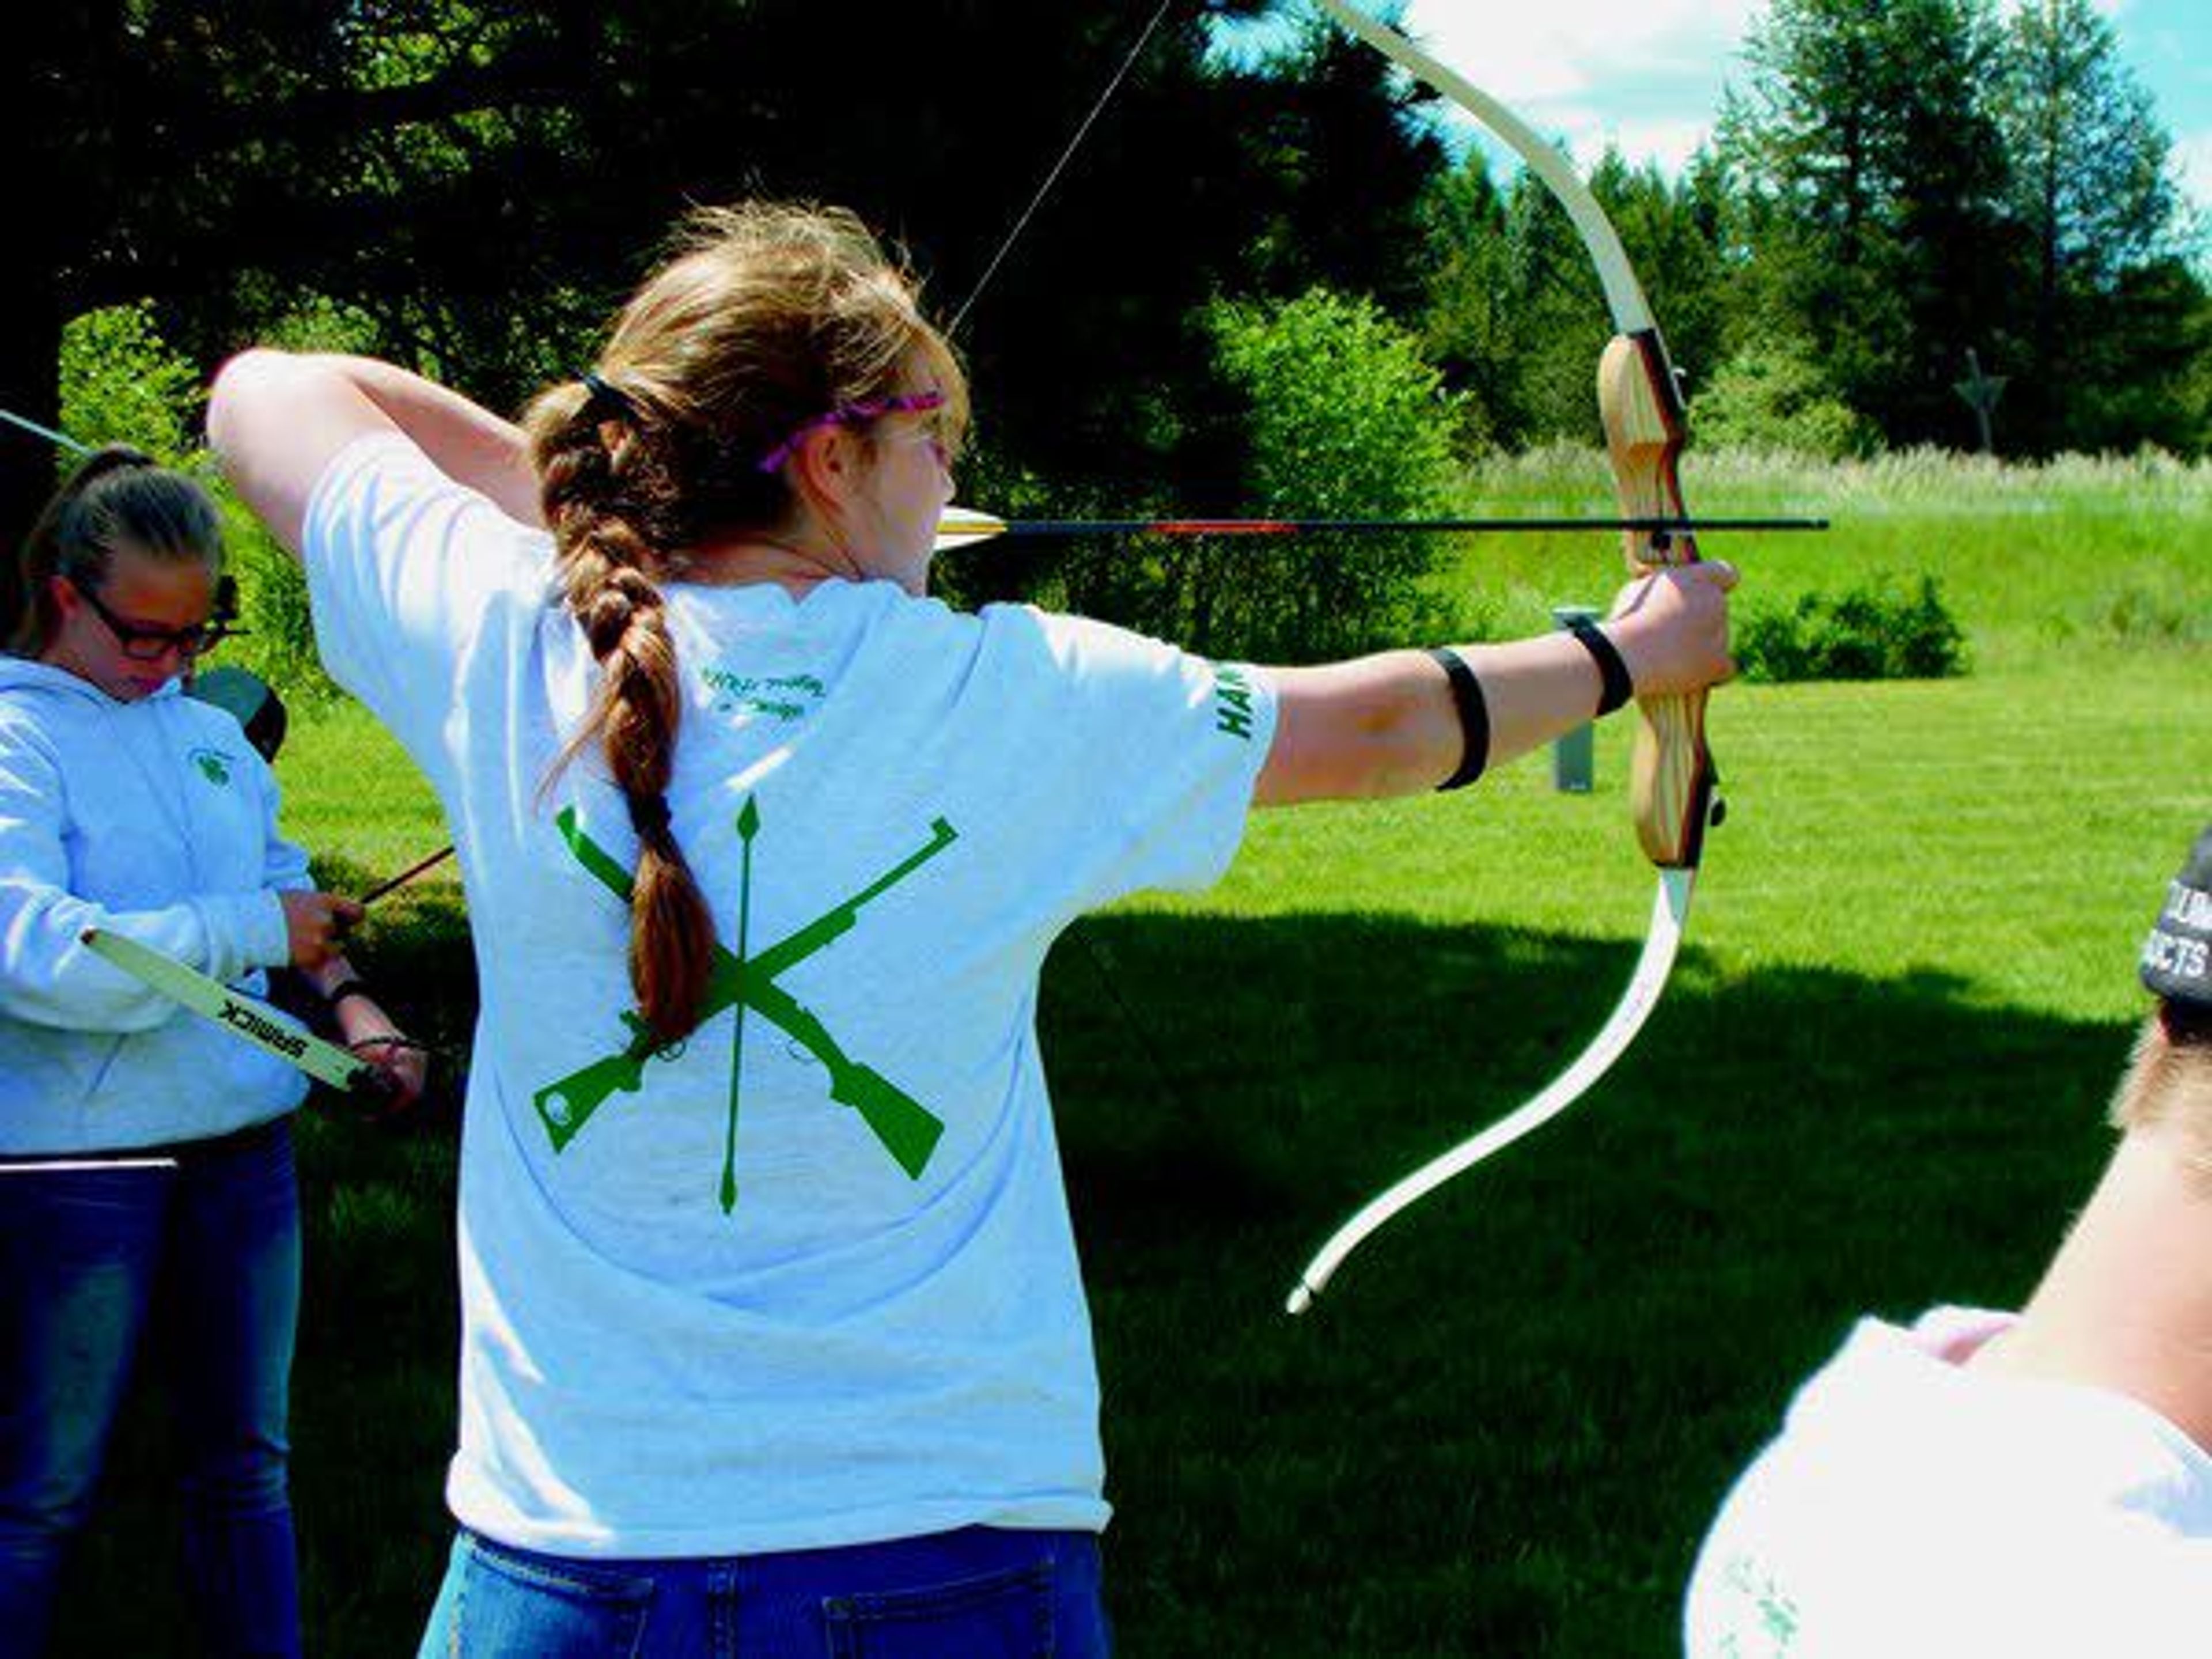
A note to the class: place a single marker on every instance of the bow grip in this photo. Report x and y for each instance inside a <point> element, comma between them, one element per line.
<point>1671,773</point>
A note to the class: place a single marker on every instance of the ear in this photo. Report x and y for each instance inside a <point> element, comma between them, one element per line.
<point>826,466</point>
<point>61,595</point>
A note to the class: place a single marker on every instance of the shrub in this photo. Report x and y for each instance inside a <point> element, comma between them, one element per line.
<point>120,384</point>
<point>1868,633</point>
<point>1772,395</point>
<point>1341,417</point>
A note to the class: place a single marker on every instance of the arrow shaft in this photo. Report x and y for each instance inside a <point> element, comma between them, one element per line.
<point>61,439</point>
<point>956,529</point>
<point>406,875</point>
<point>747,825</point>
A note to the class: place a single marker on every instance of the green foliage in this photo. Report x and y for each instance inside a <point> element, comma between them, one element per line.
<point>1513,312</point>
<point>1915,180</point>
<point>1344,416</point>
<point>1341,417</point>
<point>2090,180</point>
<point>121,384</point>
<point>1326,409</point>
<point>1869,134</point>
<point>2158,611</point>
<point>1874,632</point>
<point>1771,394</point>
<point>1671,230</point>
<point>2102,334</point>
<point>1339,127</point>
<point>280,641</point>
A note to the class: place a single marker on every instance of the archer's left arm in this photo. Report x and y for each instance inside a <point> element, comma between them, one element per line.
<point>1388,724</point>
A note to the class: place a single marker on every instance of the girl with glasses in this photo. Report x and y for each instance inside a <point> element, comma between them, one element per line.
<point>146,1169</point>
<point>774,1338</point>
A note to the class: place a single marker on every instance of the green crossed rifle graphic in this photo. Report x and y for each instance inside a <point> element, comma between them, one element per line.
<point>908,1129</point>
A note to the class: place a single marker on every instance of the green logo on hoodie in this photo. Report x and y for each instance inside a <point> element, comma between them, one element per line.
<point>214,765</point>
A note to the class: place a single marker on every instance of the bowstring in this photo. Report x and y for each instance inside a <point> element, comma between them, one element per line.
<point>1093,952</point>
<point>1058,166</point>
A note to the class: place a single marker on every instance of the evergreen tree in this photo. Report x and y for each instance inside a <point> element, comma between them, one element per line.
<point>1865,140</point>
<point>2094,197</point>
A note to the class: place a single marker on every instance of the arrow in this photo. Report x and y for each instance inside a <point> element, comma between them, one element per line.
<point>963,527</point>
<point>406,875</point>
<point>46,432</point>
<point>748,827</point>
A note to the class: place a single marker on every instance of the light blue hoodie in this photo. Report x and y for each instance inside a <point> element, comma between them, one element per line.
<point>158,820</point>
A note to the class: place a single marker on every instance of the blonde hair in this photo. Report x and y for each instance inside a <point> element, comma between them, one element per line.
<point>116,497</point>
<point>2168,1086</point>
<point>765,316</point>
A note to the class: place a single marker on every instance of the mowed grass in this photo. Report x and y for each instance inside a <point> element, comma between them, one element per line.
<point>1876,1082</point>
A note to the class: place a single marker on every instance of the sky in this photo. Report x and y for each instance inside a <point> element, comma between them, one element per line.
<point>1647,75</point>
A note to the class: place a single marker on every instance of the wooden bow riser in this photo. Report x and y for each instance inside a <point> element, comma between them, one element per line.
<point>1671,776</point>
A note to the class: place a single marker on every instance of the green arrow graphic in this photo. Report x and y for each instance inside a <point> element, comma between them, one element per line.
<point>748,827</point>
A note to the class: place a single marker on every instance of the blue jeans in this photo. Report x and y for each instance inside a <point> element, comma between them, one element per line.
<point>210,1250</point>
<point>979,1593</point>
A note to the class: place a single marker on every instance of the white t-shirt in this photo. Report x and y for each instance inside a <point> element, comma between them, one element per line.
<point>1912,1507</point>
<point>708,1306</point>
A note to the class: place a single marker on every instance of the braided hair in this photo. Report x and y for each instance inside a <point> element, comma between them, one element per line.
<point>764,317</point>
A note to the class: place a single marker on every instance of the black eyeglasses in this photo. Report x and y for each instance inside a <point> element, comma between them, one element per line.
<point>143,644</point>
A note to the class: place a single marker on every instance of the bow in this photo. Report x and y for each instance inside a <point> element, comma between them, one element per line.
<point>1672,778</point>
<point>242,1015</point>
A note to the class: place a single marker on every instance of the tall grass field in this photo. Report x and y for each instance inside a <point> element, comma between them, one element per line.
<point>1876,1082</point>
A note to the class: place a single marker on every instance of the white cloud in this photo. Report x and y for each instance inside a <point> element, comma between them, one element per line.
<point>1645,77</point>
<point>1541,48</point>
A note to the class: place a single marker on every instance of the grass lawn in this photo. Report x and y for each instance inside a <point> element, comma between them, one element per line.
<point>1876,1082</point>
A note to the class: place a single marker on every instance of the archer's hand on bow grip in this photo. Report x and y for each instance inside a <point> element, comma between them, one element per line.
<point>1671,776</point>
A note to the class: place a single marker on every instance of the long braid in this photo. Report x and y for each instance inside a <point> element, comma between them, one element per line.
<point>608,573</point>
<point>766,317</point>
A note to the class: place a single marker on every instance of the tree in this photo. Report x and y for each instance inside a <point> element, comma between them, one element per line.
<point>1345,153</point>
<point>214,162</point>
<point>1673,234</point>
<point>1875,176</point>
<point>1470,327</point>
<point>1513,313</point>
<point>2094,198</point>
<point>1771,394</point>
<point>1343,417</point>
<point>473,184</point>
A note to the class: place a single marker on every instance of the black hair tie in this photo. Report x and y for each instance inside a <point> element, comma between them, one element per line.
<point>607,399</point>
<point>648,815</point>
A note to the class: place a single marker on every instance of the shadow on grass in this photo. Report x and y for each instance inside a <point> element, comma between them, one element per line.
<point>1504,1427</point>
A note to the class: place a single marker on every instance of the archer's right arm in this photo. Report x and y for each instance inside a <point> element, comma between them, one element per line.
<point>276,419</point>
